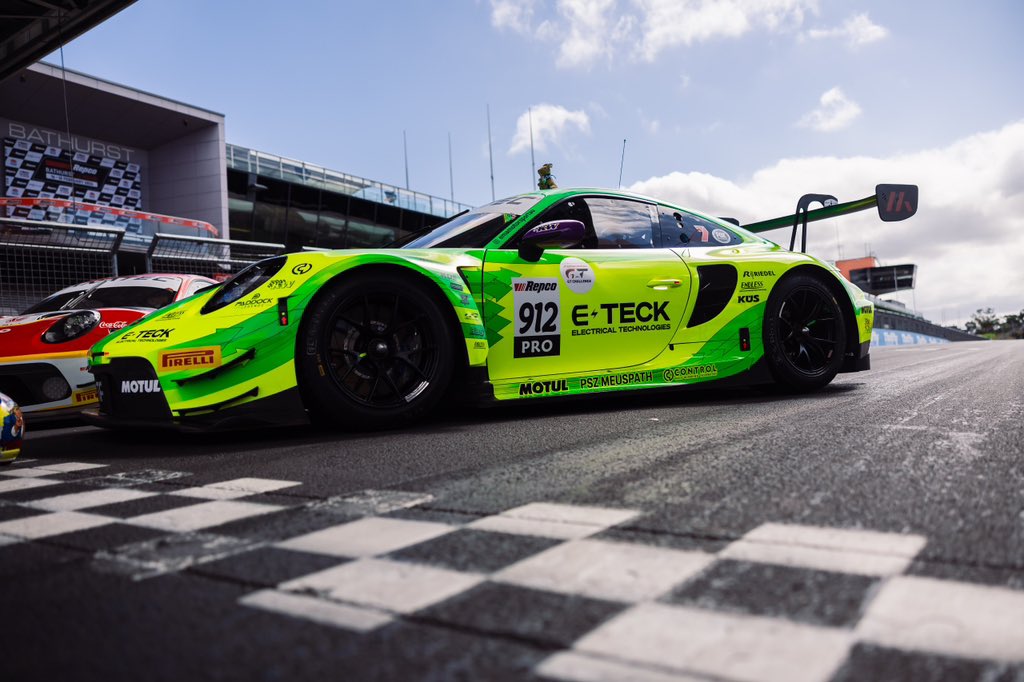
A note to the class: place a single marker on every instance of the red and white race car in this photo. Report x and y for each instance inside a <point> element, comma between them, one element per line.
<point>43,351</point>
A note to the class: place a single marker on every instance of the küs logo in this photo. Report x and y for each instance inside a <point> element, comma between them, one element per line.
<point>577,275</point>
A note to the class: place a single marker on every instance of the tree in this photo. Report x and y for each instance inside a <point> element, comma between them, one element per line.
<point>983,322</point>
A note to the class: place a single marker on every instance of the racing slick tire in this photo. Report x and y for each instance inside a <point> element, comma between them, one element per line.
<point>804,334</point>
<point>374,352</point>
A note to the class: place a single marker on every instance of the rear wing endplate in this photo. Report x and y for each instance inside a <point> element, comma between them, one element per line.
<point>894,202</point>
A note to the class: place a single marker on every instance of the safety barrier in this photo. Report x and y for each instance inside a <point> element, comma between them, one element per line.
<point>214,258</point>
<point>38,258</point>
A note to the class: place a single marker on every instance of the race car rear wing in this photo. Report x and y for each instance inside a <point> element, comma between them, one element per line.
<point>894,202</point>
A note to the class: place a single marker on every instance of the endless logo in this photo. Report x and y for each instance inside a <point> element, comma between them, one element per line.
<point>145,386</point>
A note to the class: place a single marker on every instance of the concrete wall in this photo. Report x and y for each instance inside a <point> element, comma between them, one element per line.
<point>188,177</point>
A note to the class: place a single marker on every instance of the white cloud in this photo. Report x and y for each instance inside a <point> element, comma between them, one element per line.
<point>856,31</point>
<point>835,112</point>
<point>588,31</point>
<point>516,15</point>
<point>967,237</point>
<point>552,123</point>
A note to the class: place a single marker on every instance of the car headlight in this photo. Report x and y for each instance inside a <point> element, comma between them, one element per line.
<point>78,323</point>
<point>245,282</point>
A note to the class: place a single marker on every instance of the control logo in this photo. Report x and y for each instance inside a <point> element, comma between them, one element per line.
<point>748,298</point>
<point>301,269</point>
<point>690,373</point>
<point>196,358</point>
<point>577,275</point>
<point>144,386</point>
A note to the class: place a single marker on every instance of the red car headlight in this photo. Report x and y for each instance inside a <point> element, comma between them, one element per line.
<point>78,323</point>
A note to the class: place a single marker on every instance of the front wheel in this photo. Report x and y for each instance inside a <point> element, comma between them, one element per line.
<point>804,334</point>
<point>374,352</point>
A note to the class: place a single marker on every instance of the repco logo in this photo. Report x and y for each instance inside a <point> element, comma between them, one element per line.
<point>530,285</point>
<point>542,387</point>
<point>144,386</point>
<point>749,298</point>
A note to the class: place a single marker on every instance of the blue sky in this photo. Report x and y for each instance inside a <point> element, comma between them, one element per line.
<point>736,107</point>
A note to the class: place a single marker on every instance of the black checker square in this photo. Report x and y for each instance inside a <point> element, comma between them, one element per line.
<point>452,518</point>
<point>108,537</point>
<point>546,618</point>
<point>873,662</point>
<point>144,505</point>
<point>474,551</point>
<point>282,525</point>
<point>12,512</point>
<point>266,566</point>
<point>799,594</point>
<point>660,538</point>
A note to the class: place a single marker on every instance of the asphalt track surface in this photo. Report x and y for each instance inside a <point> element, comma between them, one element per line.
<point>874,530</point>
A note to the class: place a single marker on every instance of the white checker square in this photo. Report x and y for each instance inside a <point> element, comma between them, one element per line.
<point>558,521</point>
<point>26,472</point>
<point>92,498</point>
<point>8,540</point>
<point>720,645</point>
<point>239,487</point>
<point>203,515</point>
<point>357,618</point>
<point>391,585</point>
<point>947,617</point>
<point>606,570</point>
<point>25,484</point>
<point>367,537</point>
<point>71,466</point>
<point>828,549</point>
<point>46,525</point>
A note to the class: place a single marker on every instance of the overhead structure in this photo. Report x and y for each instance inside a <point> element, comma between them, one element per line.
<point>32,29</point>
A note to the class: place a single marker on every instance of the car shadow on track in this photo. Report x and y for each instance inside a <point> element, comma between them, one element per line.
<point>60,440</point>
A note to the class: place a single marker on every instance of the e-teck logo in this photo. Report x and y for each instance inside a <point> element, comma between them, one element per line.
<point>749,298</point>
<point>577,275</point>
<point>196,358</point>
<point>143,386</point>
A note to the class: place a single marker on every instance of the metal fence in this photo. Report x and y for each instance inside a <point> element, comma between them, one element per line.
<point>38,258</point>
<point>214,258</point>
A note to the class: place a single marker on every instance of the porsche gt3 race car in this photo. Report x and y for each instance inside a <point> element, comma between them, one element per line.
<point>545,294</point>
<point>43,351</point>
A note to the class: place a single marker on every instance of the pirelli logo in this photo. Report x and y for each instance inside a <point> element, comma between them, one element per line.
<point>197,358</point>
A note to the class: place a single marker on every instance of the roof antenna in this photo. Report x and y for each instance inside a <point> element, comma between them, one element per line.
<point>622,163</point>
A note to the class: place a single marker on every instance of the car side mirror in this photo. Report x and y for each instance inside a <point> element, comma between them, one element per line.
<point>557,234</point>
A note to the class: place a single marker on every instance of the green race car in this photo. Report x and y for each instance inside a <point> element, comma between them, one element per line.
<point>553,293</point>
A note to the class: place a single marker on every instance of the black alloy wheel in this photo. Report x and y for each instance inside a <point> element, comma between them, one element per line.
<point>804,333</point>
<point>375,352</point>
<point>381,351</point>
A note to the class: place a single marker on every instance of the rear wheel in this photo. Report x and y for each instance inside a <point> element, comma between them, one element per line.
<point>374,352</point>
<point>804,334</point>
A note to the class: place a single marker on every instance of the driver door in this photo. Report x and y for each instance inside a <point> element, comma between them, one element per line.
<point>613,303</point>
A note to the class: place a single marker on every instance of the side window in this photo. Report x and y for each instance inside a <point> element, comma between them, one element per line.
<point>570,209</point>
<point>679,229</point>
<point>195,286</point>
<point>621,224</point>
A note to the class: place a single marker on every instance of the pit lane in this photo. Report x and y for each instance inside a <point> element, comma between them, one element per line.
<point>921,457</point>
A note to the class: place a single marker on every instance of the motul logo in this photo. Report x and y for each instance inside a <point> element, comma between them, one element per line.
<point>145,386</point>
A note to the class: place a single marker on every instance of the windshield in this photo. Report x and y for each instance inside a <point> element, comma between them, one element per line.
<point>127,297</point>
<point>53,303</point>
<point>476,228</point>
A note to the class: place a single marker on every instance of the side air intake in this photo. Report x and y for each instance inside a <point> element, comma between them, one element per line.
<point>717,284</point>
